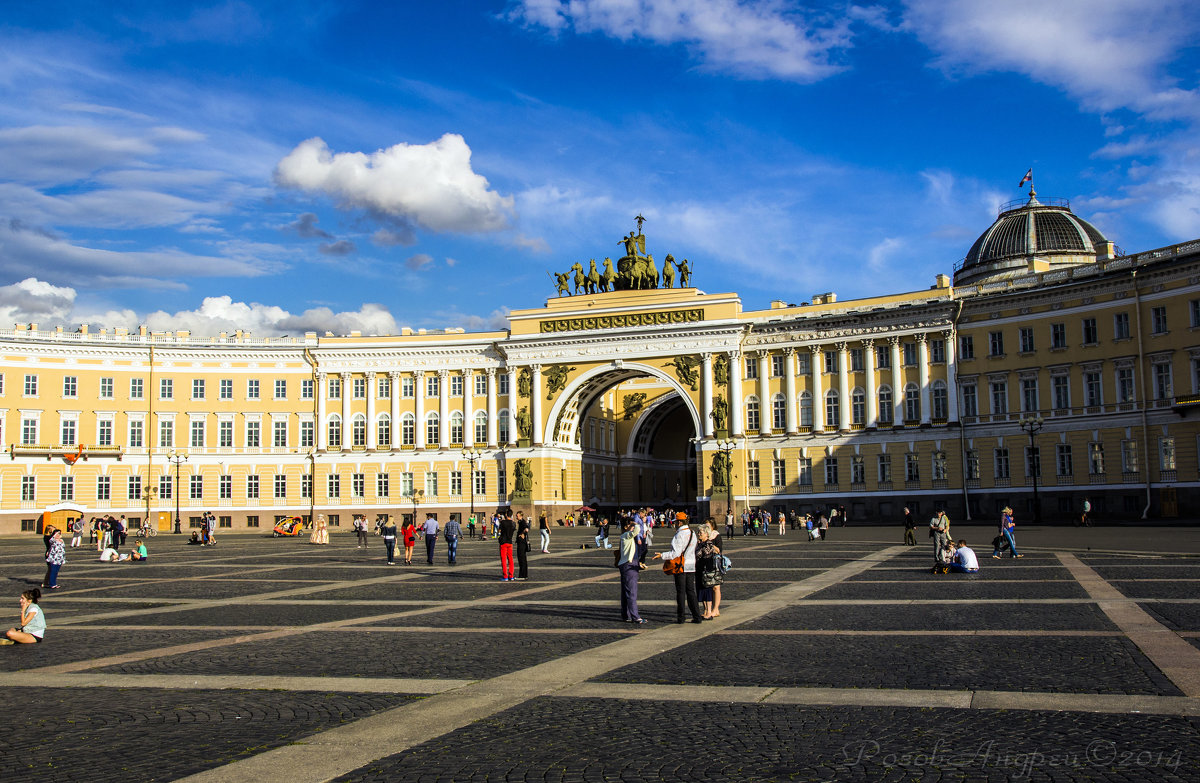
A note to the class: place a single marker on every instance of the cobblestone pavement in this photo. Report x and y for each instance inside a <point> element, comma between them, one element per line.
<point>275,660</point>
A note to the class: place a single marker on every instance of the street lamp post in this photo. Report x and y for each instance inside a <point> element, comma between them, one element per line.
<point>725,447</point>
<point>416,498</point>
<point>1032,425</point>
<point>177,459</point>
<point>472,456</point>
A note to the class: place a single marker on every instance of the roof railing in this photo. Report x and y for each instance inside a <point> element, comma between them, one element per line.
<point>1045,202</point>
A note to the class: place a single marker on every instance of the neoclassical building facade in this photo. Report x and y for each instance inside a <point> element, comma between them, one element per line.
<point>1052,366</point>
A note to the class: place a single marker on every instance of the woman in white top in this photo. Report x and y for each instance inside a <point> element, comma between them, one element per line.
<point>33,622</point>
<point>684,545</point>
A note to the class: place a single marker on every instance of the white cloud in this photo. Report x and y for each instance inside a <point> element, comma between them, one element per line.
<point>419,261</point>
<point>430,185</point>
<point>882,252</point>
<point>752,38</point>
<point>56,155</point>
<point>35,301</point>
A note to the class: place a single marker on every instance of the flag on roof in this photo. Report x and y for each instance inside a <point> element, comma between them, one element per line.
<point>1027,178</point>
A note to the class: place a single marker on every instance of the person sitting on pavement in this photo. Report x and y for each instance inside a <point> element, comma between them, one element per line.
<point>964,560</point>
<point>139,554</point>
<point>33,622</point>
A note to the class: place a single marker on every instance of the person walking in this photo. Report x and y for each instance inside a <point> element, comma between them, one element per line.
<point>729,523</point>
<point>504,535</point>
<point>388,531</point>
<point>1085,518</point>
<point>409,531</point>
<point>544,531</point>
<point>824,526</point>
<point>522,547</point>
<point>910,528</point>
<point>452,533</point>
<point>683,546</point>
<point>56,556</point>
<point>431,529</point>
<point>1006,539</point>
<point>630,567</point>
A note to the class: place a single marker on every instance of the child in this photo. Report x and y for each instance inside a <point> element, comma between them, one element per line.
<point>33,622</point>
<point>139,553</point>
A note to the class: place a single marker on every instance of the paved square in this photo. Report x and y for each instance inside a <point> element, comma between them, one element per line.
<point>275,660</point>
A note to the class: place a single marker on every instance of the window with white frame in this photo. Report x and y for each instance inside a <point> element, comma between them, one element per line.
<point>456,386</point>
<point>225,434</point>
<point>279,433</point>
<point>886,407</point>
<point>1000,457</point>
<point>280,486</point>
<point>831,471</point>
<point>280,389</point>
<point>166,487</point>
<point>912,467</point>
<point>29,431</point>
<point>104,432</point>
<point>971,464</point>
<point>225,389</point>
<point>939,465</point>
<point>883,357</point>
<point>912,403</point>
<point>503,426</point>
<point>1096,458</point>
<point>252,487</point>
<point>1025,334</point>
<point>196,487</point>
<point>883,464</point>
<point>481,385</point>
<point>359,388</point>
<point>1158,320</point>
<point>254,434</point>
<point>103,488</point>
<point>197,433</point>
<point>1093,389</point>
<point>1166,454</point>
<point>777,366</point>
<point>856,359</point>
<point>804,472</point>
<point>137,388</point>
<point>937,351</point>
<point>831,362</point>
<point>910,354</point>
<point>1091,333</point>
<point>1063,463</point>
<point>1060,389</point>
<point>778,473</point>
<point>433,429</point>
<point>858,469</point>
<point>1121,326</point>
<point>408,429</point>
<point>66,488</point>
<point>136,433</point>
<point>307,438</point>
<point>431,484</point>
<point>751,364</point>
<point>70,386</point>
<point>457,430</point>
<point>480,482</point>
<point>1125,389</point>
<point>133,488</point>
<point>197,388</point>
<point>1029,395</point>
<point>358,431</point>
<point>28,489</point>
<point>383,486</point>
<point>383,431</point>
<point>481,422</point>
<point>940,399</point>
<point>806,409</point>
<point>995,343</point>
<point>358,485</point>
<point>31,385</point>
<point>999,391</point>
<point>966,347</point>
<point>456,483</point>
<point>1163,388</point>
<point>1129,456</point>
<point>383,387</point>
<point>335,432</point>
<point>252,389</point>
<point>67,432</point>
<point>166,433</point>
<point>752,413</point>
<point>166,388</point>
<point>832,409</point>
<point>106,388</point>
<point>306,389</point>
<point>224,487</point>
<point>333,388</point>
<point>1033,461</point>
<point>406,484</point>
<point>858,407</point>
<point>433,385</point>
<point>778,412</point>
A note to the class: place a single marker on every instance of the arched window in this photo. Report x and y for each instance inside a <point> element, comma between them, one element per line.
<point>456,427</point>
<point>408,430</point>
<point>433,429</point>
<point>912,403</point>
<point>358,431</point>
<point>778,412</point>
<point>886,408</point>
<point>481,427</point>
<point>806,409</point>
<point>502,426</point>
<point>941,408</point>
<point>383,431</point>
<point>752,413</point>
<point>858,407</point>
<point>832,409</point>
<point>335,431</point>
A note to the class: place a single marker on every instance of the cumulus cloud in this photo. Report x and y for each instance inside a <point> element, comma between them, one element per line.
<point>342,247</point>
<point>419,261</point>
<point>35,301</point>
<point>306,227</point>
<point>429,185</point>
<point>761,39</point>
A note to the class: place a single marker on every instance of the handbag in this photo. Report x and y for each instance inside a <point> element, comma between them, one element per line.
<point>711,578</point>
<point>724,564</point>
<point>674,565</point>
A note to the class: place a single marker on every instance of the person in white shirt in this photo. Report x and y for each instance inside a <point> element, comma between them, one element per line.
<point>683,545</point>
<point>965,561</point>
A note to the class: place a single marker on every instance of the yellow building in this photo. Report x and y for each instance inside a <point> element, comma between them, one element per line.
<point>1053,365</point>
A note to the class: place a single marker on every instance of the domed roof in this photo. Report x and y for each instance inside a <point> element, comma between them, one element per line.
<point>1032,236</point>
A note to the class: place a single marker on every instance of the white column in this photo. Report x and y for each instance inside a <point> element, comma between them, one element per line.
<point>871,392</point>
<point>468,376</point>
<point>443,409</point>
<point>844,408</point>
<point>789,390</point>
<point>923,376</point>
<point>395,378</point>
<point>706,394</point>
<point>737,414</point>
<point>419,398</point>
<point>535,404</point>
<point>514,403</point>
<point>764,393</point>
<point>493,430</point>
<point>372,444</point>
<point>818,393</point>
<point>322,428</point>
<point>897,384</point>
<point>951,377</point>
<point>346,379</point>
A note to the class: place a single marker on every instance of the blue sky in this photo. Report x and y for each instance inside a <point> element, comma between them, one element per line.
<point>282,167</point>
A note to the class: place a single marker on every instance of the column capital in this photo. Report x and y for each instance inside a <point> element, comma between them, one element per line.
<point>947,333</point>
<point>394,374</point>
<point>370,375</point>
<point>762,353</point>
<point>894,341</point>
<point>704,357</point>
<point>843,347</point>
<point>535,368</point>
<point>735,354</point>
<point>868,343</point>
<point>346,374</point>
<point>442,373</point>
<point>816,349</point>
<point>922,337</point>
<point>321,375</point>
<point>418,374</point>
<point>490,372</point>
<point>789,351</point>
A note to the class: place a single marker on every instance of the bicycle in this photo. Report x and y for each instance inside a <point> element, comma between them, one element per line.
<point>147,530</point>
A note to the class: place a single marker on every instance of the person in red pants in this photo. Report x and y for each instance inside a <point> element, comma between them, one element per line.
<point>505,537</point>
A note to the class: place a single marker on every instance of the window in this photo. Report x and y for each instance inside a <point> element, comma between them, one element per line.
<point>103,488</point>
<point>383,387</point>
<point>1158,320</point>
<point>806,409</point>
<point>408,429</point>
<point>481,427</point>
<point>778,412</point>
<point>431,485</point>
<point>751,367</point>
<point>197,388</point>
<point>31,383</point>
<point>104,432</point>
<point>910,354</point>
<point>382,485</point>
<point>406,484</point>
<point>333,486</point>
<point>481,385</point>
<point>1060,387</point>
<point>166,389</point>
<point>1026,337</point>
<point>225,434</point>
<point>280,389</point>
<point>752,473</point>
<point>433,385</point>
<point>502,426</point>
<point>884,465</point>
<point>1129,456</point>
<point>1033,461</point>
<point>252,521</point>
<point>886,409</point>
<point>883,357</point>
<point>252,487</point>
<point>106,388</point>
<point>831,471</point>
<point>999,397</point>
<point>1029,395</point>
<point>1162,381</point>
<point>858,469</point>
<point>165,488</point>
<point>937,351</point>
<point>66,488</point>
<point>358,431</point>
<point>966,347</point>
<point>197,434</point>
<point>804,472</point>
<point>67,432</point>
<point>1121,326</point>
<point>1125,384</point>
<point>456,483</point>
<point>196,487</point>
<point>831,409</point>
<point>253,434</point>
<point>1091,334</point>
<point>912,403</point>
<point>433,429</point>
<point>334,388</point>
<point>1063,465</point>
<point>225,389</point>
<point>1058,335</point>
<point>778,473</point>
<point>136,388</point>
<point>972,465</point>
<point>28,488</point>
<point>995,343</point>
<point>941,406</point>
<point>252,389</point>
<point>856,359</point>
<point>359,388</point>
<point>456,427</point>
<point>29,431</point>
<point>383,431</point>
<point>306,389</point>
<point>133,487</point>
<point>480,482</point>
<point>1092,388</point>
<point>1194,310</point>
<point>225,487</point>
<point>1096,459</point>
<point>939,465</point>
<point>306,434</point>
<point>135,434</point>
<point>1166,454</point>
<point>166,433</point>
<point>2,383</point>
<point>912,467</point>
<point>831,361</point>
<point>858,407</point>
<point>70,386</point>
<point>280,486</point>
<point>279,434</point>
<point>335,431</point>
<point>306,486</point>
<point>456,386</point>
<point>752,414</point>
<point>1001,457</point>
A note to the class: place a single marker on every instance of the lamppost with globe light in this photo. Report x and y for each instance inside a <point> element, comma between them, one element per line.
<point>472,456</point>
<point>725,447</point>
<point>177,459</point>
<point>1032,425</point>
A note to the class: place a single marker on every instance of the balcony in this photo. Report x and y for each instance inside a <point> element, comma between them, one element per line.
<point>1065,481</point>
<point>1097,478</point>
<point>1002,482</point>
<point>1167,476</point>
<point>884,486</point>
<point>858,486</point>
<point>1131,477</point>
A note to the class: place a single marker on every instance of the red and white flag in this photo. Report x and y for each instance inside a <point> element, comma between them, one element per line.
<point>1027,178</point>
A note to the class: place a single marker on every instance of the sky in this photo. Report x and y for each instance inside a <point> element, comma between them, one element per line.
<point>283,167</point>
